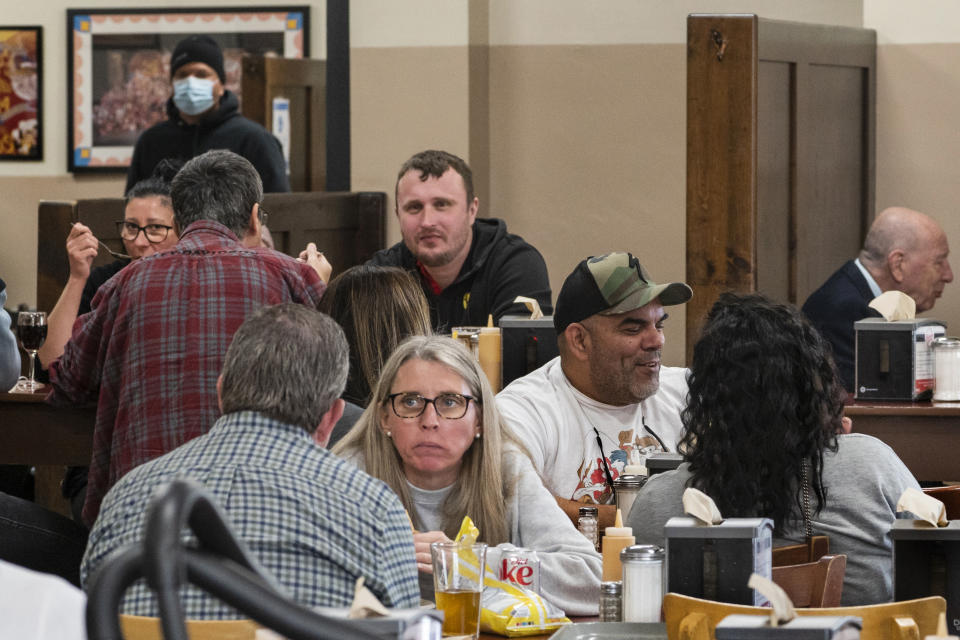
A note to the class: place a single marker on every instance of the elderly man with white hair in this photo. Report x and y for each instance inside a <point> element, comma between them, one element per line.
<point>905,250</point>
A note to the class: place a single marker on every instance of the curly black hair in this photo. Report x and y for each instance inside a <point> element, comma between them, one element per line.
<point>764,398</point>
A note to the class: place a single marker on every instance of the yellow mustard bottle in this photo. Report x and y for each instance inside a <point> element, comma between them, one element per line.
<point>615,538</point>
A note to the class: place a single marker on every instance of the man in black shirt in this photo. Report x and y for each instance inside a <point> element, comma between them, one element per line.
<point>203,115</point>
<point>470,268</point>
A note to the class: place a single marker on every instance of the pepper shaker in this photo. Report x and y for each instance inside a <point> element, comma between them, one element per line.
<point>589,526</point>
<point>611,601</point>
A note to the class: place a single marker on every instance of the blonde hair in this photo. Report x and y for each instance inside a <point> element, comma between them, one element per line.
<point>480,490</point>
<point>378,307</point>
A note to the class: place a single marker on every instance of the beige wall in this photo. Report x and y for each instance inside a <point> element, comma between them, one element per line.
<point>577,173</point>
<point>572,111</point>
<point>23,184</point>
<point>918,102</point>
<point>577,137</point>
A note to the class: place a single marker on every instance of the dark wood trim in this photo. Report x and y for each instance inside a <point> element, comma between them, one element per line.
<point>721,160</point>
<point>338,95</point>
<point>303,82</point>
<point>814,212</point>
<point>924,435</point>
<point>36,433</point>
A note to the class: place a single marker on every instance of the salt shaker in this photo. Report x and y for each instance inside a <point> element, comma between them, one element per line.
<point>611,601</point>
<point>626,487</point>
<point>642,582</point>
<point>588,525</point>
<point>946,364</point>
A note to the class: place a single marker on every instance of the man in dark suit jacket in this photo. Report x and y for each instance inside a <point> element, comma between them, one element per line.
<point>834,307</point>
<point>904,250</point>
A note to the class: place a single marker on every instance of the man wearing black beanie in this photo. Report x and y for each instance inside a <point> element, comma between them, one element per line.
<point>203,115</point>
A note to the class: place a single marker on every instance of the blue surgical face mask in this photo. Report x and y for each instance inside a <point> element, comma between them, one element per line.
<point>193,95</point>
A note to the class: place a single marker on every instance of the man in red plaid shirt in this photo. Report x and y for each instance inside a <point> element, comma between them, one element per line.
<point>150,350</point>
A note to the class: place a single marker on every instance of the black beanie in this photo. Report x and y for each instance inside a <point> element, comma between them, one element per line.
<point>198,48</point>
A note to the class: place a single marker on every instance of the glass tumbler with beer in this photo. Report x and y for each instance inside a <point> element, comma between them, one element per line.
<point>457,583</point>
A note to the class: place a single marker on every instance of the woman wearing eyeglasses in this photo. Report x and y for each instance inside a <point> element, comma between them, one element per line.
<point>433,434</point>
<point>146,228</point>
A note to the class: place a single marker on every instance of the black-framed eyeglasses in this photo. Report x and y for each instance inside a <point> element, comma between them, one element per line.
<point>154,233</point>
<point>262,215</point>
<point>451,406</point>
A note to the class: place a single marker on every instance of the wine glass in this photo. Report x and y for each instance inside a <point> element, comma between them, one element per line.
<point>32,331</point>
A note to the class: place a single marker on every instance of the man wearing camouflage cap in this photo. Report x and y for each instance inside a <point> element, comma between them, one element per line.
<point>607,390</point>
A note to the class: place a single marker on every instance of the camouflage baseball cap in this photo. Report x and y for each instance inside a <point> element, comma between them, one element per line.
<point>609,284</point>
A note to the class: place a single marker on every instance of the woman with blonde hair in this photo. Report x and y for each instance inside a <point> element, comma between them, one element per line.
<point>433,434</point>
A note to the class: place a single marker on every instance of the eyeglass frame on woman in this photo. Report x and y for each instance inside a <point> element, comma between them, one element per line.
<point>123,224</point>
<point>262,215</point>
<point>466,407</point>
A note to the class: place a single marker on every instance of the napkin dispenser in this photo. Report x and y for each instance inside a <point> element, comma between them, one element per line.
<point>660,461</point>
<point>894,360</point>
<point>926,562</point>
<point>527,345</point>
<point>714,562</point>
<point>748,627</point>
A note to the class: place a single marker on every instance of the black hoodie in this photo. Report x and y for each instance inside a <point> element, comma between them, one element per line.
<point>499,267</point>
<point>225,128</point>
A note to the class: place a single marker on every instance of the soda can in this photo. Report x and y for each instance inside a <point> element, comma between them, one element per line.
<point>521,567</point>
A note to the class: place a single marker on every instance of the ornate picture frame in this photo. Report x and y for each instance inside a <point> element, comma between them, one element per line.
<point>21,93</point>
<point>118,68</point>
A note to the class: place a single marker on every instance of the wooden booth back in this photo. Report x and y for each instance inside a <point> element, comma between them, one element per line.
<point>302,84</point>
<point>347,227</point>
<point>780,155</point>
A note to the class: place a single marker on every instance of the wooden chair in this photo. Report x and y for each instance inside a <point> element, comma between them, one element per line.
<point>146,628</point>
<point>694,619</point>
<point>813,584</point>
<point>949,496</point>
<point>786,555</point>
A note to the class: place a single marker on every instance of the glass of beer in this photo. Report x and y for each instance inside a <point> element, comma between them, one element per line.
<point>457,583</point>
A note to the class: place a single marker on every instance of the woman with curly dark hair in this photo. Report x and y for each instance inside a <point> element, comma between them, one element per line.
<point>764,436</point>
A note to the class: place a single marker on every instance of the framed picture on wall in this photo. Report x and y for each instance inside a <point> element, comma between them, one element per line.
<point>21,95</point>
<point>119,68</point>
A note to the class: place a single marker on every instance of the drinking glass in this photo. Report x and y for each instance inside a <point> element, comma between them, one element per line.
<point>32,331</point>
<point>457,584</point>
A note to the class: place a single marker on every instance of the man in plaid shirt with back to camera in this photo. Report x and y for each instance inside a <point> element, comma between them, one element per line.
<point>150,350</point>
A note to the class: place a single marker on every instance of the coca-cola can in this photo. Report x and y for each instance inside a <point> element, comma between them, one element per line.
<point>521,567</point>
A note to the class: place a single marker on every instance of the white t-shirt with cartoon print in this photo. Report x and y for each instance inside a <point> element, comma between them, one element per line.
<point>556,424</point>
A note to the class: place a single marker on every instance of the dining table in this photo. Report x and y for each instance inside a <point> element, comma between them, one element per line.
<point>47,438</point>
<point>925,435</point>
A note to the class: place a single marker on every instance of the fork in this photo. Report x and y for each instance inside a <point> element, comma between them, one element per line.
<point>115,254</point>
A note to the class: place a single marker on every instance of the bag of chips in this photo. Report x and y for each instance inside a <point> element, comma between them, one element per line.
<point>508,609</point>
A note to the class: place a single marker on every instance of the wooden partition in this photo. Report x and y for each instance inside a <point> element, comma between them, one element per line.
<point>303,83</point>
<point>347,227</point>
<point>780,155</point>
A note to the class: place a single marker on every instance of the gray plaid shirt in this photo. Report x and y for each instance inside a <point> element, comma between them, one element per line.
<point>314,521</point>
